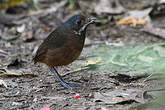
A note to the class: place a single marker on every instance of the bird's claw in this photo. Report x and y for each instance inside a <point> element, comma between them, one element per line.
<point>66,85</point>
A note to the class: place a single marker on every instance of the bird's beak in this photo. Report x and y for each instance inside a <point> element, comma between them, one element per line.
<point>91,20</point>
<point>88,22</point>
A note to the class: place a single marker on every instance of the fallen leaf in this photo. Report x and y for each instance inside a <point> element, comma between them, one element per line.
<point>119,96</point>
<point>6,72</point>
<point>91,62</point>
<point>131,20</point>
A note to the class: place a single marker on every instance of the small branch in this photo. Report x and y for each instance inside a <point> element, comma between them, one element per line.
<point>71,72</point>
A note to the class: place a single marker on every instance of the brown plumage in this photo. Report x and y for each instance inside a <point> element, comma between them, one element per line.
<point>64,44</point>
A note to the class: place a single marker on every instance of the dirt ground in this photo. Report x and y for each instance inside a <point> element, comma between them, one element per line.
<point>33,92</point>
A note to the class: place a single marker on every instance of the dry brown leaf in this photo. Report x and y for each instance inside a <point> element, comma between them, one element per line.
<point>6,72</point>
<point>131,20</point>
<point>91,62</point>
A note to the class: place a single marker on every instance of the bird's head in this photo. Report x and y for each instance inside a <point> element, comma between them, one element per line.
<point>79,23</point>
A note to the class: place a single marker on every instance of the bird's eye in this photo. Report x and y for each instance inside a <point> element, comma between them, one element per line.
<point>78,22</point>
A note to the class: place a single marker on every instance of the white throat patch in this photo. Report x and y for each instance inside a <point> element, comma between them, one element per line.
<point>81,30</point>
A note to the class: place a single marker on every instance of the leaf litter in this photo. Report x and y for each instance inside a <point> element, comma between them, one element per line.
<point>119,96</point>
<point>137,61</point>
<point>16,73</point>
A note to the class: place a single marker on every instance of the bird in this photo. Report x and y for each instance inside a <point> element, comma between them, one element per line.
<point>64,45</point>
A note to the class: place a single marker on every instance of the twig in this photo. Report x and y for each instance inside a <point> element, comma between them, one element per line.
<point>163,89</point>
<point>147,77</point>
<point>71,72</point>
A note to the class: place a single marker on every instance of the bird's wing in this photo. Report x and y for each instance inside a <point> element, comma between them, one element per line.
<point>53,41</point>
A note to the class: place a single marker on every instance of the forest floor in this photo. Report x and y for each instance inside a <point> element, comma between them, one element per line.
<point>99,90</point>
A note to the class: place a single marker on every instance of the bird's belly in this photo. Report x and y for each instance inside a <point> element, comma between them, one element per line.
<point>62,56</point>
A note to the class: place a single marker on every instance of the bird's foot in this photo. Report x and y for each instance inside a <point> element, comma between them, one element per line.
<point>75,85</point>
<point>71,88</point>
<point>64,83</point>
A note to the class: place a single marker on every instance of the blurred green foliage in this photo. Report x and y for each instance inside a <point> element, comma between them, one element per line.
<point>10,3</point>
<point>149,58</point>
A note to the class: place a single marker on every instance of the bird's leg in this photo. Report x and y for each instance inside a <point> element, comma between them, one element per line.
<point>54,71</point>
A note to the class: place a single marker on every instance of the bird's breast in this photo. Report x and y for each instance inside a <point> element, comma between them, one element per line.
<point>66,54</point>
